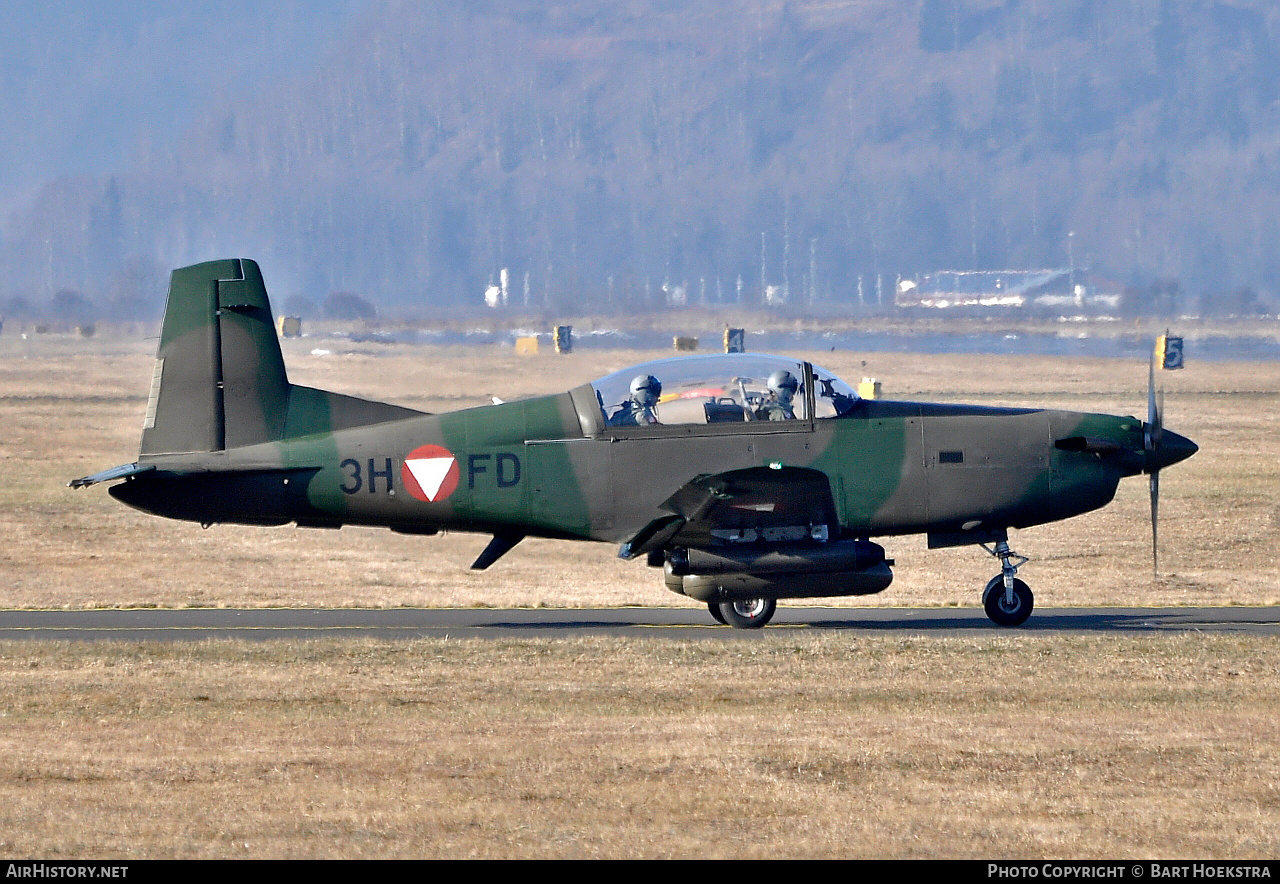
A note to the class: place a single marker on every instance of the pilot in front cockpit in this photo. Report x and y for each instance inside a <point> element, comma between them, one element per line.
<point>778,404</point>
<point>638,411</point>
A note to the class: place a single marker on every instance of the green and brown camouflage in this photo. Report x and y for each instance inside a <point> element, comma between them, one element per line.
<point>738,511</point>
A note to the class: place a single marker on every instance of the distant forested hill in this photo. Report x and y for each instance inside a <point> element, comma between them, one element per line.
<point>617,154</point>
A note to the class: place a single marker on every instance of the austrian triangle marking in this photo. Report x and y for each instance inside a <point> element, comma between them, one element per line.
<point>430,473</point>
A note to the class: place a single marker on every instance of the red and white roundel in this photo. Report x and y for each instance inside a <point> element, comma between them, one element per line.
<point>430,473</point>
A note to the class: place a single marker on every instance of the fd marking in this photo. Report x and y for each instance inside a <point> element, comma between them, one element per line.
<point>430,473</point>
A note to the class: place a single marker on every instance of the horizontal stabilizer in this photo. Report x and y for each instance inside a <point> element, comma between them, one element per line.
<point>120,472</point>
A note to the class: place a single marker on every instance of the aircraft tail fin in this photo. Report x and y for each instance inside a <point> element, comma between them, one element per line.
<point>219,378</point>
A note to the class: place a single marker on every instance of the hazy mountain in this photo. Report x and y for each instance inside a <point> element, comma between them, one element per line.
<point>84,85</point>
<point>606,152</point>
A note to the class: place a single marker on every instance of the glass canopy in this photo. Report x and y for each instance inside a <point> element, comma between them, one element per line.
<point>723,388</point>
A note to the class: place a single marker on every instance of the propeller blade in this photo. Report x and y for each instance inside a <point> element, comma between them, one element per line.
<point>1151,397</point>
<point>1152,439</point>
<point>1161,450</point>
<point>1155,427</point>
<point>1154,485</point>
<point>1159,440</point>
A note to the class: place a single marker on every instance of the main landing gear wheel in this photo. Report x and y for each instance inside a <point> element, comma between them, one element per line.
<point>1009,607</point>
<point>746,613</point>
<point>714,608</point>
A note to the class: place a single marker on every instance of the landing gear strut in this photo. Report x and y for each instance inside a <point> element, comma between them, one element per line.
<point>1007,600</point>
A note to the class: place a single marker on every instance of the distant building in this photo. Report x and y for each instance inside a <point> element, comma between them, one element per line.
<point>1060,289</point>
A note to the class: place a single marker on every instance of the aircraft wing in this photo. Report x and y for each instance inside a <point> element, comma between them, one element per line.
<point>771,503</point>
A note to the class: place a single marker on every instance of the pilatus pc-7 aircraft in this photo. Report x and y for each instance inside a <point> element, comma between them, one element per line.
<point>746,478</point>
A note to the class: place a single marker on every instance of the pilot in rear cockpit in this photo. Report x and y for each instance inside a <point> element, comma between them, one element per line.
<point>638,411</point>
<point>777,405</point>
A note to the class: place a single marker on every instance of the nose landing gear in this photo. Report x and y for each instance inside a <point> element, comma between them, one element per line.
<point>1007,600</point>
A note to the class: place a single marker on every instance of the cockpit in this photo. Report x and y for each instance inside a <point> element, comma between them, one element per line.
<point>726,389</point>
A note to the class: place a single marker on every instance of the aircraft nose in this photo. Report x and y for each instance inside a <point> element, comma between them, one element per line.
<point>1172,449</point>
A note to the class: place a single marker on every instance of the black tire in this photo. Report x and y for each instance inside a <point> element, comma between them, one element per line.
<point>748,613</point>
<point>714,608</point>
<point>1001,613</point>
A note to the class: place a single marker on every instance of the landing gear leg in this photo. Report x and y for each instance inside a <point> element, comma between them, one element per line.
<point>1007,600</point>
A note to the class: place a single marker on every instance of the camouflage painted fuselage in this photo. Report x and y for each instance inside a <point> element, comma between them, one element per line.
<point>766,508</point>
<point>531,467</point>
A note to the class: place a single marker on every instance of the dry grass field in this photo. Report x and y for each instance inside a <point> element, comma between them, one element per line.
<point>840,745</point>
<point>781,744</point>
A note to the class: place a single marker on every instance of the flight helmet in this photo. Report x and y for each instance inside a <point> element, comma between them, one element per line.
<point>645,390</point>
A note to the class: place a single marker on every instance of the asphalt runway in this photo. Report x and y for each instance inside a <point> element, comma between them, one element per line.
<point>261,624</point>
